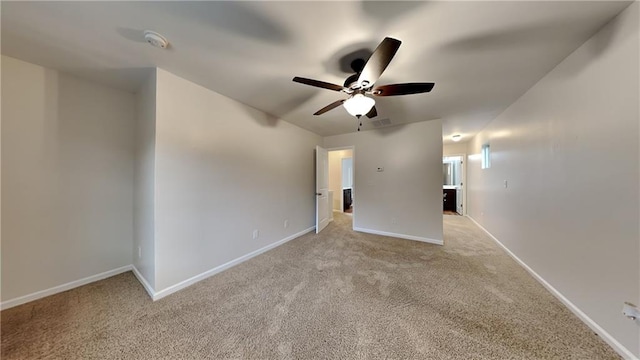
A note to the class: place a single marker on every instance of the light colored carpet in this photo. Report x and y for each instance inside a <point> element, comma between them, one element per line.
<point>337,295</point>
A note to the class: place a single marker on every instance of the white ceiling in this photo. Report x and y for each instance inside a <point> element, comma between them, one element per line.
<point>481,55</point>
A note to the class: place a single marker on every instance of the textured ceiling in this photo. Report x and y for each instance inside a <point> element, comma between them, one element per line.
<point>481,55</point>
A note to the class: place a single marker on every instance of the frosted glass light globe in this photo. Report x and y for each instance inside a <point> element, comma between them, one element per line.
<point>359,104</point>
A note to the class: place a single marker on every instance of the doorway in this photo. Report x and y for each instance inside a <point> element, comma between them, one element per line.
<point>341,180</point>
<point>453,185</point>
<point>347,184</point>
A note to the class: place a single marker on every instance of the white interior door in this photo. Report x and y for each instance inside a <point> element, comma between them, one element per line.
<point>322,188</point>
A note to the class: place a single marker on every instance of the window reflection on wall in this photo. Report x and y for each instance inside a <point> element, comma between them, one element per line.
<point>486,156</point>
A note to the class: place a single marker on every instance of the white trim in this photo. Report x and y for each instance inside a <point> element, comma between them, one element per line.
<point>64,287</point>
<point>144,282</point>
<point>152,293</point>
<point>619,348</point>
<point>348,147</point>
<point>401,236</point>
<point>183,284</point>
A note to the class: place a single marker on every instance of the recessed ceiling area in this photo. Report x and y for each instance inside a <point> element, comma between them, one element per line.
<point>482,56</point>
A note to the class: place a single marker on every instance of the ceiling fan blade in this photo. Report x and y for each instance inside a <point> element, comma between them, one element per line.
<point>331,106</point>
<point>372,113</point>
<point>402,89</point>
<point>318,83</point>
<point>378,61</point>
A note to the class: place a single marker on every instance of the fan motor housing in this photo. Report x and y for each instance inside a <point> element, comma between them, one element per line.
<point>351,80</point>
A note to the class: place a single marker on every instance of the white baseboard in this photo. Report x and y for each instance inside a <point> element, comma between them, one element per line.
<point>155,295</point>
<point>64,287</point>
<point>183,284</point>
<point>619,348</point>
<point>143,281</point>
<point>401,236</point>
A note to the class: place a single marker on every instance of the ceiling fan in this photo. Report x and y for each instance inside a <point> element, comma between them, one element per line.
<point>360,84</point>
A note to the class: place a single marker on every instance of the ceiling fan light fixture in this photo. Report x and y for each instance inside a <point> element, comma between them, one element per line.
<point>359,105</point>
<point>456,137</point>
<point>363,82</point>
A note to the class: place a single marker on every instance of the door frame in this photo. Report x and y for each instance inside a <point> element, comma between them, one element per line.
<point>464,180</point>
<point>353,183</point>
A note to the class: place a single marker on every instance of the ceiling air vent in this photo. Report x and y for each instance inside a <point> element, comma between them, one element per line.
<point>381,122</point>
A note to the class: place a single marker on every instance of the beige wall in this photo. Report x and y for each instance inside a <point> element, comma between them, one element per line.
<point>568,150</point>
<point>454,149</point>
<point>406,198</point>
<point>67,178</point>
<point>335,175</point>
<point>223,170</point>
<point>144,180</point>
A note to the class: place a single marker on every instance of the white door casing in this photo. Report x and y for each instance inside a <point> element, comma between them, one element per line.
<point>322,188</point>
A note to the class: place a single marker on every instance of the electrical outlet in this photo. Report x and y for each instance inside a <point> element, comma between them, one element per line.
<point>256,234</point>
<point>286,223</point>
<point>139,252</point>
<point>394,221</point>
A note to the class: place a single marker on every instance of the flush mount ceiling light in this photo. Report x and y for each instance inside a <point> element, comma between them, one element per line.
<point>359,105</point>
<point>156,39</point>
<point>456,137</point>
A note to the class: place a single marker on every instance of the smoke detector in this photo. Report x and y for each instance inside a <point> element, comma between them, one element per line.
<point>155,39</point>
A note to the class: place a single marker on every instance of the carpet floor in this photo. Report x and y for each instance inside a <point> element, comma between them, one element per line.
<point>334,295</point>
